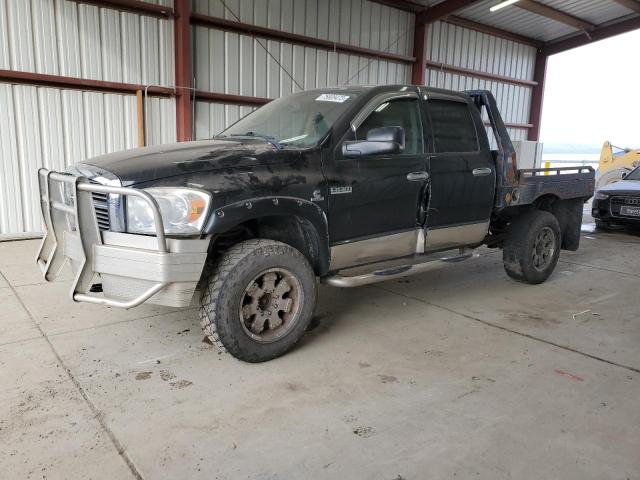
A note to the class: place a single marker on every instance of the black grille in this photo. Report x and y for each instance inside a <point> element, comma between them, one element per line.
<point>618,202</point>
<point>101,206</point>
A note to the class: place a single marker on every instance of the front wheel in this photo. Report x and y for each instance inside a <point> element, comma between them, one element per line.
<point>259,300</point>
<point>532,247</point>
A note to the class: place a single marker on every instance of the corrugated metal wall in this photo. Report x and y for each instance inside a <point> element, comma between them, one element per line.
<point>50,127</point>
<point>226,62</point>
<point>461,47</point>
<point>62,37</point>
<point>42,126</point>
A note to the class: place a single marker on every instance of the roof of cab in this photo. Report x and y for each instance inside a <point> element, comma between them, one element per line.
<point>399,87</point>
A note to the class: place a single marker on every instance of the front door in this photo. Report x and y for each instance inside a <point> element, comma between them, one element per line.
<point>375,201</point>
<point>462,171</point>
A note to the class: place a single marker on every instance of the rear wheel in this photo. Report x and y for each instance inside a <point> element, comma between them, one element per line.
<point>532,247</point>
<point>259,300</point>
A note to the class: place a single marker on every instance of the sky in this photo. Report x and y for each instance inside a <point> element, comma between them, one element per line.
<point>592,94</point>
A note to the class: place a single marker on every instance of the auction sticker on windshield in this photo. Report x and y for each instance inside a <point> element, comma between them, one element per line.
<point>332,97</point>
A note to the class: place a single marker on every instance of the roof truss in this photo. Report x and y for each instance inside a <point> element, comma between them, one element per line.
<point>555,14</point>
<point>446,10</point>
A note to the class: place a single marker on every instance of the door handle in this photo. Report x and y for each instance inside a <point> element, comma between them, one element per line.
<point>481,172</point>
<point>417,176</point>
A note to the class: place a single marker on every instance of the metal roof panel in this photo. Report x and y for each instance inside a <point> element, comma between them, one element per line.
<point>523,22</point>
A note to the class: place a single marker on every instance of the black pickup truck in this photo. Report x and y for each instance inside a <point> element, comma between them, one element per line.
<point>349,185</point>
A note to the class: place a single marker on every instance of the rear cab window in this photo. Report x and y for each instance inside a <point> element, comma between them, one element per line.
<point>452,126</point>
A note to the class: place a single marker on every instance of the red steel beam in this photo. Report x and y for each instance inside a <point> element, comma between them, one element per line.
<point>600,33</point>
<point>414,7</point>
<point>406,5</point>
<point>477,74</point>
<point>133,6</point>
<point>496,32</point>
<point>555,14</point>
<point>73,83</point>
<point>228,98</point>
<point>272,34</point>
<point>442,10</point>
<point>184,107</point>
<point>537,95</point>
<point>419,67</point>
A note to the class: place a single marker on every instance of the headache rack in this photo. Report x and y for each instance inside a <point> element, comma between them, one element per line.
<point>516,187</point>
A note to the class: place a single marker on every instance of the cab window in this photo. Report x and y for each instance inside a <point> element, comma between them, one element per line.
<point>403,113</point>
<point>452,126</point>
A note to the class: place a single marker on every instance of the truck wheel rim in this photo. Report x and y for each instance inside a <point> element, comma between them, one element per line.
<point>544,248</point>
<point>270,305</point>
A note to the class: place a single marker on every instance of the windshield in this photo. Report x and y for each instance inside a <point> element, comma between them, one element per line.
<point>633,175</point>
<point>301,119</point>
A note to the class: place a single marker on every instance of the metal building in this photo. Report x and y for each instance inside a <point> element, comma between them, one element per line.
<point>83,77</point>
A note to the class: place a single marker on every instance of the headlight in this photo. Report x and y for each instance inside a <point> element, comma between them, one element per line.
<point>183,210</point>
<point>601,196</point>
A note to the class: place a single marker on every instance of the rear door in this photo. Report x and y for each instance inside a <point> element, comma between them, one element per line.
<point>462,173</point>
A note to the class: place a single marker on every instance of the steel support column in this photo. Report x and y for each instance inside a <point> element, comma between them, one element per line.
<point>419,66</point>
<point>182,29</point>
<point>537,96</point>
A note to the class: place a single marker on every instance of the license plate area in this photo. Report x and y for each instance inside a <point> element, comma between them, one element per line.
<point>628,211</point>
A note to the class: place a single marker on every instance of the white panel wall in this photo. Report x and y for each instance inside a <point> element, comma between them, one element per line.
<point>343,21</point>
<point>227,62</point>
<point>462,47</point>
<point>61,37</point>
<point>53,128</point>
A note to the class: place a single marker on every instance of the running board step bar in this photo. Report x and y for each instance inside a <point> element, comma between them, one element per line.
<point>392,273</point>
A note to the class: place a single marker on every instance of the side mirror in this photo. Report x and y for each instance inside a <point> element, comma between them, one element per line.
<point>380,141</point>
<point>624,175</point>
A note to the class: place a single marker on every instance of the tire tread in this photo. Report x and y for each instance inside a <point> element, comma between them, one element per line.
<point>516,248</point>
<point>214,288</point>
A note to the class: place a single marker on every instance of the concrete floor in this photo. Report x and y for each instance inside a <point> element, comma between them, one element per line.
<point>462,373</point>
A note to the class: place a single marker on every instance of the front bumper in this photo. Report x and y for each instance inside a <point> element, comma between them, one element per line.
<point>609,211</point>
<point>133,269</point>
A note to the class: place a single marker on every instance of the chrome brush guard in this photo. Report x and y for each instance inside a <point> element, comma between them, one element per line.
<point>133,269</point>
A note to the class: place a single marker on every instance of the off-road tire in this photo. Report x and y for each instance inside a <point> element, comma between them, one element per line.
<point>517,254</point>
<point>224,290</point>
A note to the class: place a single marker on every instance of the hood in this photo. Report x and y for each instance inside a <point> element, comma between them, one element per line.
<point>153,163</point>
<point>631,187</point>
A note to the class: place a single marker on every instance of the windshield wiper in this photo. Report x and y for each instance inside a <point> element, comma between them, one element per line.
<point>267,138</point>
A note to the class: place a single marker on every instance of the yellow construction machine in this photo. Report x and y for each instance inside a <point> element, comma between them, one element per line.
<point>614,162</point>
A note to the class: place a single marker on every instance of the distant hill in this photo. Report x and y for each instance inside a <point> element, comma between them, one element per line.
<point>566,148</point>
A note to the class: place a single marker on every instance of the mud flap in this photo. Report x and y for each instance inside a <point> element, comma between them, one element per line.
<point>569,215</point>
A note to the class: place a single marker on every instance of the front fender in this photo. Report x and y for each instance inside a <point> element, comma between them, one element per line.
<point>225,218</point>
